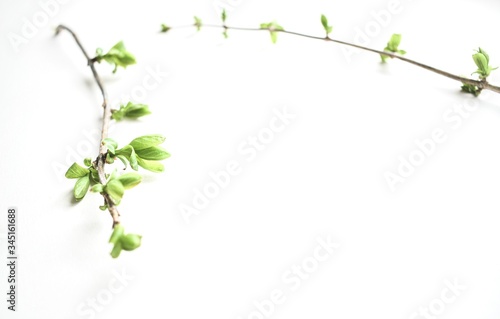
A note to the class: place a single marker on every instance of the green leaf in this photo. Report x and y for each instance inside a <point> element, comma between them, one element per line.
<point>152,166</point>
<point>165,28</point>
<point>147,141</point>
<point>394,42</point>
<point>133,161</point>
<point>76,171</point>
<point>118,231</point>
<point>103,207</point>
<point>481,63</point>
<point>109,158</point>
<point>131,241</point>
<point>97,188</point>
<point>324,22</point>
<point>224,16</point>
<point>87,162</point>
<point>94,175</point>
<point>110,144</point>
<point>137,110</point>
<point>117,56</point>
<point>155,153</point>
<point>393,47</point>
<point>485,55</point>
<point>472,89</point>
<point>273,28</point>
<point>81,187</point>
<point>117,249</point>
<point>197,23</point>
<point>129,153</point>
<point>482,60</point>
<point>130,180</point>
<point>115,190</point>
<point>131,111</point>
<point>274,36</point>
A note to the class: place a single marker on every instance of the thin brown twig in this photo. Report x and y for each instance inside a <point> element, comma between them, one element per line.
<point>481,84</point>
<point>100,162</point>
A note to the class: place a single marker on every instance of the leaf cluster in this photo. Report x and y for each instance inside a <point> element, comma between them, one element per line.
<point>130,111</point>
<point>482,61</point>
<point>122,241</point>
<point>273,28</point>
<point>143,151</point>
<point>118,56</point>
<point>393,47</point>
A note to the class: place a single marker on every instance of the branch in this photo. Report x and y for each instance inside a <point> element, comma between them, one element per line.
<point>481,84</point>
<point>100,162</point>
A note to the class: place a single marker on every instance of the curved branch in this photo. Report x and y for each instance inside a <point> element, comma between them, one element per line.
<point>100,162</point>
<point>481,84</point>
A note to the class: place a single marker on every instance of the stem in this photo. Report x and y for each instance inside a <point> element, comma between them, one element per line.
<point>481,84</point>
<point>101,158</point>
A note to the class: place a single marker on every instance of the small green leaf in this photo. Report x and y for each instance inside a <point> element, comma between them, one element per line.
<point>165,28</point>
<point>94,175</point>
<point>109,158</point>
<point>273,28</point>
<point>130,241</point>
<point>130,180</point>
<point>87,162</point>
<point>152,166</point>
<point>394,42</point>
<point>485,55</point>
<point>81,187</point>
<point>117,56</point>
<point>97,188</point>
<point>115,190</point>
<point>324,22</point>
<point>129,153</point>
<point>103,207</point>
<point>137,110</point>
<point>131,111</point>
<point>274,36</point>
<point>133,161</point>
<point>110,144</point>
<point>118,231</point>
<point>76,171</point>
<point>481,63</point>
<point>147,141</point>
<point>155,153</point>
<point>117,249</point>
<point>197,23</point>
<point>224,16</point>
<point>472,89</point>
<point>392,47</point>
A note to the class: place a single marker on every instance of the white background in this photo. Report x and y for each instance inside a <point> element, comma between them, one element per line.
<point>322,176</point>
